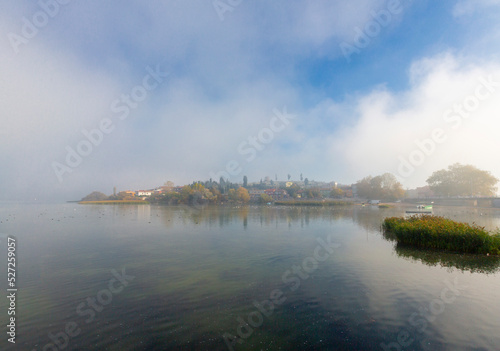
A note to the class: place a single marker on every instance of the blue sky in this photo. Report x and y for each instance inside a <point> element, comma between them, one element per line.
<point>375,111</point>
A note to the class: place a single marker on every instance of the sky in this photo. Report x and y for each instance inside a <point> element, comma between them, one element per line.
<point>130,94</point>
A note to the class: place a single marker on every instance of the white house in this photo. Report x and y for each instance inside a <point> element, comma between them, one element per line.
<point>144,192</point>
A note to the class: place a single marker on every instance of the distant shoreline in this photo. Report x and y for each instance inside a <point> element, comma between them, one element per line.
<point>114,202</point>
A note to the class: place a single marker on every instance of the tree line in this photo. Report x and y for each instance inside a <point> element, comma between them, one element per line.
<point>456,180</point>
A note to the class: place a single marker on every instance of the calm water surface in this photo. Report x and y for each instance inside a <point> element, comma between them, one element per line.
<point>251,278</point>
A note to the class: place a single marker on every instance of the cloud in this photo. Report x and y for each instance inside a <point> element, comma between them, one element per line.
<point>469,7</point>
<point>226,78</point>
<point>392,125</point>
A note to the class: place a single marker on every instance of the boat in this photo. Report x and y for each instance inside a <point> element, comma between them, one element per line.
<point>421,209</point>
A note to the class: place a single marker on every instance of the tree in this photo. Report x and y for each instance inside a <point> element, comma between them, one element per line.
<point>306,182</point>
<point>245,181</point>
<point>232,195</point>
<point>123,195</point>
<point>301,179</point>
<point>222,185</point>
<point>264,199</point>
<point>289,176</point>
<point>242,195</point>
<point>384,186</point>
<point>462,180</point>
<point>292,191</point>
<point>313,194</point>
<point>95,196</point>
<point>337,193</point>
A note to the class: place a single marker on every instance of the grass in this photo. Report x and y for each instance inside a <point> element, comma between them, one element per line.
<point>439,233</point>
<point>115,202</point>
<point>312,203</point>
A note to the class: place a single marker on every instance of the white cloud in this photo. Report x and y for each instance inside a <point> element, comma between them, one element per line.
<point>222,90</point>
<point>391,123</point>
<point>468,7</point>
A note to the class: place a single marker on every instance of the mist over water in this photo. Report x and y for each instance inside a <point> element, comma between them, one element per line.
<point>193,273</point>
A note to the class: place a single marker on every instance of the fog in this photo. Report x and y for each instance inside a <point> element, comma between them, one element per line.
<point>96,95</point>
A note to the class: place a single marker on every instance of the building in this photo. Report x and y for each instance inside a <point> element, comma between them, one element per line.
<point>178,189</point>
<point>144,193</point>
<point>255,194</point>
<point>276,194</point>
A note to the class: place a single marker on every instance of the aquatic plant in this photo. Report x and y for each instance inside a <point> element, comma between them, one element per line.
<point>439,233</point>
<point>312,203</point>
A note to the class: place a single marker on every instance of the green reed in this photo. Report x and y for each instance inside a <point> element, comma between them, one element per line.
<point>439,233</point>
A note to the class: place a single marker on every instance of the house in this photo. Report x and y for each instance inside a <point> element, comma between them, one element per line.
<point>144,193</point>
<point>276,194</point>
<point>255,194</point>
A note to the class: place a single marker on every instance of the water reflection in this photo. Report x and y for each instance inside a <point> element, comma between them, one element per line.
<point>463,262</point>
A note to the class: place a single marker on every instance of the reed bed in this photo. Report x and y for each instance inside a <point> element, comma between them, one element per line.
<point>439,233</point>
<point>115,202</point>
<point>312,203</point>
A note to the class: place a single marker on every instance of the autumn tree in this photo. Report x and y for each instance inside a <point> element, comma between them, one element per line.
<point>242,195</point>
<point>462,180</point>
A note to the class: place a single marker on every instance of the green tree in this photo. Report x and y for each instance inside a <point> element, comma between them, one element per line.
<point>292,190</point>
<point>313,194</point>
<point>245,181</point>
<point>264,199</point>
<point>232,195</point>
<point>337,193</point>
<point>122,195</point>
<point>306,182</point>
<point>462,180</point>
<point>289,176</point>
<point>384,187</point>
<point>95,196</point>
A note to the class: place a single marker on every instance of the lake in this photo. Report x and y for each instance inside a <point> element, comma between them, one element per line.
<point>144,277</point>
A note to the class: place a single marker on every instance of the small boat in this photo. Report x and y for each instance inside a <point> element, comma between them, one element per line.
<point>421,209</point>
